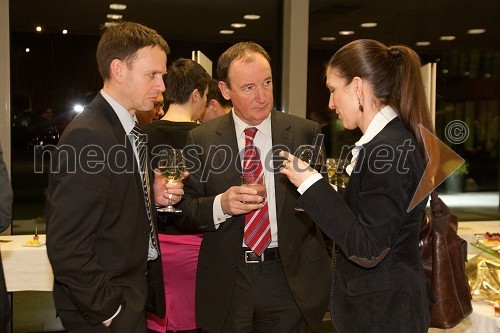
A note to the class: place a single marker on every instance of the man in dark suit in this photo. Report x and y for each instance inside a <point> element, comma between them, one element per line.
<point>101,237</point>
<point>238,288</point>
<point>6,198</point>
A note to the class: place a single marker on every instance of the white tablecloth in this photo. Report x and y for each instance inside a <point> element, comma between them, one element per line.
<point>26,268</point>
<point>481,320</point>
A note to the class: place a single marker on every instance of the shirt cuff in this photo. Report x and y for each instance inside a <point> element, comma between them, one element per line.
<point>309,182</point>
<point>218,214</point>
<point>116,314</point>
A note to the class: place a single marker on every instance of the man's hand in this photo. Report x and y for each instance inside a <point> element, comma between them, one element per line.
<point>239,200</point>
<point>164,191</point>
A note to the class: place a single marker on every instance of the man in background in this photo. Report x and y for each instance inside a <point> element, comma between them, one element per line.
<point>156,112</point>
<point>217,105</point>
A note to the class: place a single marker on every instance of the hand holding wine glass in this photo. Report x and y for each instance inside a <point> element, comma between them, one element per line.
<point>171,166</point>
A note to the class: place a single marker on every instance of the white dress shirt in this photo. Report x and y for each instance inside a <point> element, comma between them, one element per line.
<point>263,141</point>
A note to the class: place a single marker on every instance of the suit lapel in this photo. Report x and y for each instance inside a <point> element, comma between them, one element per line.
<point>282,137</point>
<point>226,139</point>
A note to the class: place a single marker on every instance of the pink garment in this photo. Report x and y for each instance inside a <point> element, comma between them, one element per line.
<point>179,257</point>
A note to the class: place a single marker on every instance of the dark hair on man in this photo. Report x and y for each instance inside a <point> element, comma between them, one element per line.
<point>215,93</point>
<point>394,75</point>
<point>183,77</point>
<point>122,41</point>
<point>240,50</point>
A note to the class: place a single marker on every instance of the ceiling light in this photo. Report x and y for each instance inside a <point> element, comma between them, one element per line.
<point>110,24</point>
<point>238,25</point>
<point>114,16</point>
<point>476,31</point>
<point>251,17</point>
<point>328,38</point>
<point>27,50</point>
<point>117,6</point>
<point>423,43</point>
<point>369,25</point>
<point>226,32</point>
<point>39,28</point>
<point>65,32</point>
<point>346,32</point>
<point>447,38</point>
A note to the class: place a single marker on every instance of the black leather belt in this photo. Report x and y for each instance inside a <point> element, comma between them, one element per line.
<point>267,255</point>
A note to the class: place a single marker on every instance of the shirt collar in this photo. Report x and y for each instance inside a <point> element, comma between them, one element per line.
<point>381,119</point>
<point>264,127</point>
<point>127,121</point>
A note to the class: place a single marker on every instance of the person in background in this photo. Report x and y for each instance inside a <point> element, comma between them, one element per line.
<point>101,226</point>
<point>275,279</point>
<point>217,105</point>
<point>186,95</point>
<point>6,198</point>
<point>156,112</point>
<point>378,283</point>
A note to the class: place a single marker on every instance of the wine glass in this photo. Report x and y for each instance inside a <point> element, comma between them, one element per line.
<point>171,165</point>
<point>331,167</point>
<point>313,155</point>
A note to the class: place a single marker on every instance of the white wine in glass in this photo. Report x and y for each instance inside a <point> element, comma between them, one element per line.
<point>171,166</point>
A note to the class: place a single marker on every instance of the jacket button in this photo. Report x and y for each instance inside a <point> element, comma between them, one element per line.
<point>146,233</point>
<point>235,266</point>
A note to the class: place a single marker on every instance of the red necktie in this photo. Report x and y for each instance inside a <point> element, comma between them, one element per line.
<point>257,234</point>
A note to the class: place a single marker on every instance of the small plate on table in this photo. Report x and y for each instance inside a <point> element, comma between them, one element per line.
<point>34,245</point>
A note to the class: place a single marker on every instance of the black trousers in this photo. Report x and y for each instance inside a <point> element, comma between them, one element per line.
<point>262,302</point>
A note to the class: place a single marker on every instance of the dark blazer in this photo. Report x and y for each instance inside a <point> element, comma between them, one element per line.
<point>97,228</point>
<point>378,283</point>
<point>6,197</point>
<point>301,246</point>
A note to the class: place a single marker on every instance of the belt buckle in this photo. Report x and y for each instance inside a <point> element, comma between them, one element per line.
<point>247,261</point>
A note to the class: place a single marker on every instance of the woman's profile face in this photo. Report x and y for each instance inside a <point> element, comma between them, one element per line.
<point>343,99</point>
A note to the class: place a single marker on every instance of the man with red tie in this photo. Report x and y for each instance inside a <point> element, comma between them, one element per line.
<point>262,266</point>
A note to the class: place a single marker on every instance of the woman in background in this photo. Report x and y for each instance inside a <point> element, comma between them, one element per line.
<point>378,283</point>
<point>186,97</point>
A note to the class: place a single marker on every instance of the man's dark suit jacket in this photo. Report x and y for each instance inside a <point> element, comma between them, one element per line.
<point>303,254</point>
<point>97,228</point>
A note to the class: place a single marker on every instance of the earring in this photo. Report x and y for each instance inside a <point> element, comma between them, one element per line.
<point>360,106</point>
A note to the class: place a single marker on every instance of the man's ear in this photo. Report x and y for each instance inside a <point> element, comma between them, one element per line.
<point>224,89</point>
<point>212,104</point>
<point>117,70</point>
<point>195,96</point>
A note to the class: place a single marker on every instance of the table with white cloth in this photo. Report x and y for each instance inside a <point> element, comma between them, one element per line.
<point>26,268</point>
<point>481,320</point>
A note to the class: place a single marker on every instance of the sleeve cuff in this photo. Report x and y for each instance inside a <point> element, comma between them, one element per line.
<point>218,214</point>
<point>309,182</point>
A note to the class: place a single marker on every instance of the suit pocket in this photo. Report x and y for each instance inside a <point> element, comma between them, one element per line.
<point>369,283</point>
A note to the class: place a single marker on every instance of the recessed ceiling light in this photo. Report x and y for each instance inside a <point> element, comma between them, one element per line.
<point>476,31</point>
<point>226,32</point>
<point>27,50</point>
<point>110,24</point>
<point>238,25</point>
<point>251,17</point>
<point>447,38</point>
<point>346,32</point>
<point>423,43</point>
<point>114,16</point>
<point>369,25</point>
<point>328,38</point>
<point>39,28</point>
<point>117,6</point>
<point>65,32</point>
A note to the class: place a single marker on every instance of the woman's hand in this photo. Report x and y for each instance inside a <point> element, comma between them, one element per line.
<point>295,169</point>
